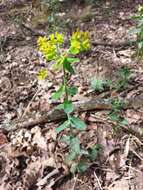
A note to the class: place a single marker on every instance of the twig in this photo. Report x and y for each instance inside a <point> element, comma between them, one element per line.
<point>115,45</point>
<point>136,154</point>
<point>81,106</point>
<point>33,31</point>
<point>98,181</point>
<point>84,184</point>
<point>134,169</point>
<point>129,174</point>
<point>49,175</point>
<point>28,106</point>
<point>75,180</point>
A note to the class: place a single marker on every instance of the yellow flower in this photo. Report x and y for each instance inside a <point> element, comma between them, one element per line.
<point>57,38</point>
<point>41,41</point>
<point>48,48</point>
<point>52,38</point>
<point>79,42</point>
<point>42,74</point>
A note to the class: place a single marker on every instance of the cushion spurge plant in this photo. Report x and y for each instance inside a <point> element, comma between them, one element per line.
<point>63,59</point>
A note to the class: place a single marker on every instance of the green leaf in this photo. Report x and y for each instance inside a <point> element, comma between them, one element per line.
<point>60,107</point>
<point>72,60</point>
<point>114,116</point>
<point>73,168</point>
<point>98,84</point>
<point>63,126</point>
<point>57,95</point>
<point>84,152</point>
<point>59,63</point>
<point>93,154</point>
<point>77,123</point>
<point>124,122</point>
<point>66,139</point>
<point>72,90</point>
<point>73,142</point>
<point>82,166</point>
<point>75,145</point>
<point>140,45</point>
<point>74,51</point>
<point>141,22</point>
<point>117,104</point>
<point>71,156</point>
<point>74,148</point>
<point>68,106</point>
<point>121,84</point>
<point>124,73</point>
<point>94,151</point>
<point>68,67</point>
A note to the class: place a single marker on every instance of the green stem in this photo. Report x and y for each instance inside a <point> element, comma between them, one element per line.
<point>65,84</point>
<point>66,95</point>
<point>71,129</point>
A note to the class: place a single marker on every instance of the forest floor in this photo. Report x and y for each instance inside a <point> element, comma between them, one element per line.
<point>31,157</point>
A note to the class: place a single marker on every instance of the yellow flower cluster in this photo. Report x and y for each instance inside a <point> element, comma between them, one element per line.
<point>42,74</point>
<point>79,42</point>
<point>57,38</point>
<point>49,46</point>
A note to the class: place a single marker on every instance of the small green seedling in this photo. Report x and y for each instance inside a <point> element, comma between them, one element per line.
<point>63,60</point>
<point>115,114</point>
<point>124,75</point>
<point>99,85</point>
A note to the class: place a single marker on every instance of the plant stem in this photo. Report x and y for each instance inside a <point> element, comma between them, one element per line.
<point>66,95</point>
<point>71,129</point>
<point>65,84</point>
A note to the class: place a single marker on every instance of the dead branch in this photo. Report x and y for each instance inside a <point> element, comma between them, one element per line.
<point>57,115</point>
<point>115,45</point>
<point>81,106</point>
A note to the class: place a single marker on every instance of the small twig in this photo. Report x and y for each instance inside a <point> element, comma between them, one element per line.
<point>98,181</point>
<point>49,175</point>
<point>127,147</point>
<point>115,45</point>
<point>28,106</point>
<point>129,173</point>
<point>136,154</point>
<point>130,167</point>
<point>83,183</point>
<point>75,180</point>
<point>33,32</point>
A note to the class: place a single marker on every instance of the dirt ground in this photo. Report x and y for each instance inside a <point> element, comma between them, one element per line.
<point>32,157</point>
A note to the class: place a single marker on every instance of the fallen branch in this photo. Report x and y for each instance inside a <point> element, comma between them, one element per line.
<point>58,115</point>
<point>81,106</point>
<point>115,45</point>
